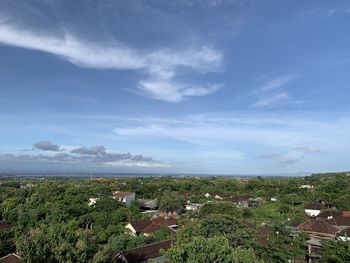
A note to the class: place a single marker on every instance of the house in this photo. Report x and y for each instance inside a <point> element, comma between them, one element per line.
<point>92,201</point>
<point>215,195</point>
<point>11,258</point>
<point>149,227</point>
<point>5,226</point>
<point>339,219</point>
<point>241,200</point>
<point>306,186</point>
<point>142,254</point>
<point>273,199</point>
<point>124,197</point>
<point>192,207</point>
<point>148,204</point>
<point>318,230</point>
<point>314,209</point>
<point>318,227</point>
<point>344,235</point>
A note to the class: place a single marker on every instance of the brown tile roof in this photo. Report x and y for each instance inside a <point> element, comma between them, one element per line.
<point>165,221</point>
<point>4,225</point>
<point>141,254</point>
<point>121,194</point>
<point>345,213</point>
<point>345,232</point>
<point>315,206</point>
<point>318,226</point>
<point>10,258</point>
<point>152,228</point>
<point>213,194</point>
<point>140,225</point>
<point>329,213</point>
<point>294,224</point>
<point>340,221</point>
<point>240,198</point>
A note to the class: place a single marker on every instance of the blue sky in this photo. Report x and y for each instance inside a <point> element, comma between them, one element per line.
<point>222,87</point>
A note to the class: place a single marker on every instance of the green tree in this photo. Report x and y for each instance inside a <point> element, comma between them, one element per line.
<point>335,251</point>
<point>203,250</point>
<point>171,201</point>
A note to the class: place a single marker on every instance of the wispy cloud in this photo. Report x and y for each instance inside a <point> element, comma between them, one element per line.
<point>272,92</point>
<point>291,156</point>
<point>269,100</point>
<point>276,83</point>
<point>161,66</point>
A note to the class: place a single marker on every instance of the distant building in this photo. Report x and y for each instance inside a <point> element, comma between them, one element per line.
<point>215,195</point>
<point>273,199</point>
<point>148,204</point>
<point>92,201</point>
<point>142,254</point>
<point>192,207</point>
<point>149,227</point>
<point>306,186</point>
<point>11,258</point>
<point>124,197</point>
<point>241,201</point>
<point>5,226</point>
<point>314,209</point>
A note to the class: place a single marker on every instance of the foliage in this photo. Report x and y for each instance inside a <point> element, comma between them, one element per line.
<point>336,252</point>
<point>171,201</point>
<point>221,208</point>
<point>215,249</point>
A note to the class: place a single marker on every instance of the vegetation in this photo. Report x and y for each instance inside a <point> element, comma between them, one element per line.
<point>54,223</point>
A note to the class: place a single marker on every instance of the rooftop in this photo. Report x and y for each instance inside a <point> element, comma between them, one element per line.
<point>141,254</point>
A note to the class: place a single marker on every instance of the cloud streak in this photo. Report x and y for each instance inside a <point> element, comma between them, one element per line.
<point>161,66</point>
<point>95,155</point>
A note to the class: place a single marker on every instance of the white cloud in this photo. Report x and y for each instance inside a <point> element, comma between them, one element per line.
<point>272,92</point>
<point>161,66</point>
<point>272,100</point>
<point>276,83</point>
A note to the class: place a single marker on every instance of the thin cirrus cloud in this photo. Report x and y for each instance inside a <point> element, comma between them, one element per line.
<point>291,156</point>
<point>272,92</point>
<point>161,66</point>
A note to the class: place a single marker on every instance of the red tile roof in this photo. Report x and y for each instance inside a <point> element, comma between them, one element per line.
<point>318,226</point>
<point>142,254</point>
<point>10,258</point>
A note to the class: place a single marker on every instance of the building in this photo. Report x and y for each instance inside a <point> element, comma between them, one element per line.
<point>318,230</point>
<point>215,195</point>
<point>11,258</point>
<point>143,254</point>
<point>314,209</point>
<point>148,204</point>
<point>124,197</point>
<point>5,226</point>
<point>92,201</point>
<point>192,207</point>
<point>344,235</point>
<point>149,227</point>
<point>241,200</point>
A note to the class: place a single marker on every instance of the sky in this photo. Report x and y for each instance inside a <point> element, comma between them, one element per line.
<point>213,87</point>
